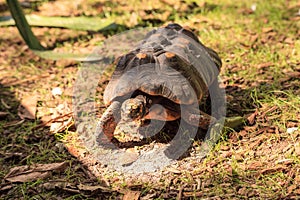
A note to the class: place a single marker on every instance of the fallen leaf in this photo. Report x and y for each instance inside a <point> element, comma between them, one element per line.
<point>267,29</point>
<point>30,78</point>
<point>289,41</point>
<point>293,74</point>
<point>273,169</point>
<point>32,176</point>
<point>273,108</point>
<point>285,161</point>
<point>14,123</point>
<point>242,191</point>
<point>171,2</point>
<point>265,65</point>
<point>256,143</point>
<point>253,38</point>
<point>193,194</point>
<point>129,157</point>
<point>51,120</point>
<point>173,170</point>
<point>27,108</point>
<point>6,187</point>
<point>243,133</point>
<point>131,195</point>
<point>224,148</point>
<point>75,151</point>
<point>246,11</point>
<point>291,124</point>
<point>179,195</point>
<point>60,185</point>
<point>5,104</point>
<point>28,173</point>
<point>133,21</point>
<point>3,114</point>
<point>51,185</point>
<point>93,188</point>
<point>61,118</point>
<point>254,165</point>
<point>57,127</point>
<point>252,117</point>
<point>297,149</point>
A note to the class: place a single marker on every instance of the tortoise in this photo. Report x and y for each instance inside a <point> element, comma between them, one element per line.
<point>167,68</point>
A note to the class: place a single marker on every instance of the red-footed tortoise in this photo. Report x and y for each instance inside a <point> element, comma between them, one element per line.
<point>167,68</point>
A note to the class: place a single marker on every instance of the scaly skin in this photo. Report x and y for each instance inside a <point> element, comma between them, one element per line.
<point>201,120</point>
<point>107,124</point>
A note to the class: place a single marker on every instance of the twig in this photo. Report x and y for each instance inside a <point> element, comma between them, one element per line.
<point>26,80</point>
<point>51,120</point>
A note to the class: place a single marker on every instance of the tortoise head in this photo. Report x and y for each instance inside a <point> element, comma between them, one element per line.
<point>134,108</point>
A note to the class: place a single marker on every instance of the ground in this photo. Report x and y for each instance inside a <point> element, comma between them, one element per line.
<point>259,45</point>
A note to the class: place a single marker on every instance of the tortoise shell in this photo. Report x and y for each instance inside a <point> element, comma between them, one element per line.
<point>167,63</point>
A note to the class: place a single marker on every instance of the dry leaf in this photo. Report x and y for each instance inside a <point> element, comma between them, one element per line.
<point>289,41</point>
<point>131,195</point>
<point>3,114</point>
<point>28,79</point>
<point>267,29</point>
<point>252,117</point>
<point>77,151</point>
<point>62,118</point>
<point>253,38</point>
<point>28,177</point>
<point>297,191</point>
<point>5,104</point>
<point>254,165</point>
<point>51,185</point>
<point>14,123</point>
<point>57,127</point>
<point>273,169</point>
<point>173,170</point>
<point>28,173</point>
<point>133,21</point>
<point>297,149</point>
<point>27,109</point>
<point>6,187</point>
<point>293,74</point>
<point>265,65</point>
<point>129,157</point>
<point>93,188</point>
<point>291,188</point>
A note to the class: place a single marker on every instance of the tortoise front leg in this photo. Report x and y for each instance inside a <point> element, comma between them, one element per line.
<point>107,123</point>
<point>201,119</point>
